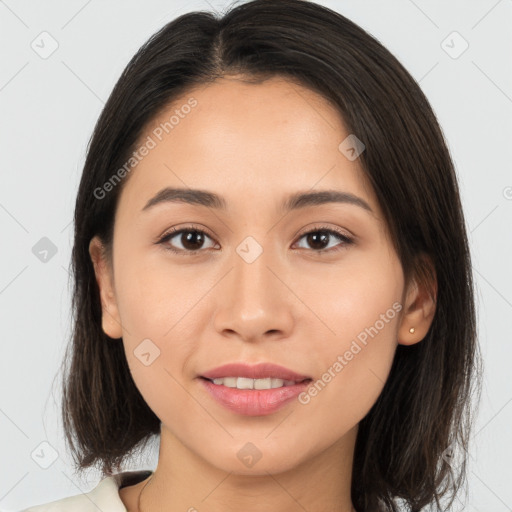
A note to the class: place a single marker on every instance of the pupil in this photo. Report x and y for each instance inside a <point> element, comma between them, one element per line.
<point>313,239</point>
<point>193,238</point>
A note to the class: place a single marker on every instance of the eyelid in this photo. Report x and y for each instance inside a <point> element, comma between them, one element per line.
<point>322,226</point>
<point>188,227</point>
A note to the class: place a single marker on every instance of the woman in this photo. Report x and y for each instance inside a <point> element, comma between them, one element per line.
<point>272,274</point>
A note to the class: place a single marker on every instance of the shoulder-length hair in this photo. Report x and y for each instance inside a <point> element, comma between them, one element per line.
<point>404,443</point>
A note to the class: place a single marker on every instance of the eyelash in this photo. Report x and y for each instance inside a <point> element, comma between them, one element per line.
<point>175,231</point>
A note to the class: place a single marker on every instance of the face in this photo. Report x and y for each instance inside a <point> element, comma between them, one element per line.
<point>317,288</point>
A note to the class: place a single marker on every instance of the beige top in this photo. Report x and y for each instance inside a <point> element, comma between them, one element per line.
<point>104,497</point>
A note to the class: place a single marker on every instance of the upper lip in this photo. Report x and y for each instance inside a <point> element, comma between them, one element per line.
<point>256,371</point>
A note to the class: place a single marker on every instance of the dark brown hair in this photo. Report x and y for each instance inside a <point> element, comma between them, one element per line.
<point>403,444</point>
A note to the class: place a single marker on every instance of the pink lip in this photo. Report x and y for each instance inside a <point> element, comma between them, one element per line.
<point>254,402</point>
<point>258,371</point>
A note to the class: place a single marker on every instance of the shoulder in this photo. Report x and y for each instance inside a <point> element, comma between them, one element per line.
<point>104,497</point>
<point>78,503</point>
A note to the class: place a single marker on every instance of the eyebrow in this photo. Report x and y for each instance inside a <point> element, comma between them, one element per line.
<point>295,201</point>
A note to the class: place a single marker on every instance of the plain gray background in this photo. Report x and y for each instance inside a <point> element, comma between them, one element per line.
<point>48,110</point>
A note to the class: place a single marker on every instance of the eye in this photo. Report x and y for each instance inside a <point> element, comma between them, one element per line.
<point>192,240</point>
<point>320,237</point>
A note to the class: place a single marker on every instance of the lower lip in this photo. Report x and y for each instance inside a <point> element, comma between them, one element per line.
<point>254,402</point>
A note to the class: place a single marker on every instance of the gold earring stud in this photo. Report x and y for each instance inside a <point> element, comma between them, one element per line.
<point>411,330</point>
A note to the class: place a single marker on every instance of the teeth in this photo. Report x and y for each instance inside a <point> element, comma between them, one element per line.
<point>245,383</point>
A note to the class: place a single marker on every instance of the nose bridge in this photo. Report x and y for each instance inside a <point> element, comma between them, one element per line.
<point>253,282</point>
<point>255,301</point>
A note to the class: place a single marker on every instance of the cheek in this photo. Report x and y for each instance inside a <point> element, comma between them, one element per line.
<point>146,295</point>
<point>352,296</point>
<point>359,303</point>
<point>155,306</point>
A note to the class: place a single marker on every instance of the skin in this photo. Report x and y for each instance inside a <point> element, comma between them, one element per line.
<point>291,306</point>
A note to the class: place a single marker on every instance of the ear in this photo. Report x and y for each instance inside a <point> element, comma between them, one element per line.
<point>110,321</point>
<point>419,304</point>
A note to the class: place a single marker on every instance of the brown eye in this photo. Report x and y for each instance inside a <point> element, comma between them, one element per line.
<point>185,240</point>
<point>191,241</point>
<point>320,238</point>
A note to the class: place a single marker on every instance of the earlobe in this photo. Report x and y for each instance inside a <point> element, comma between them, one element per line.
<point>420,308</point>
<point>110,320</point>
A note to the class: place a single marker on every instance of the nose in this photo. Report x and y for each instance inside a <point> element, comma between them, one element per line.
<point>254,300</point>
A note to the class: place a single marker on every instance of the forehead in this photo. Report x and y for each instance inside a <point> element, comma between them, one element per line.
<point>248,141</point>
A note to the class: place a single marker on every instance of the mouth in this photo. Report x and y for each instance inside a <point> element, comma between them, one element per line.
<point>253,397</point>
<point>248,375</point>
<point>244,383</point>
